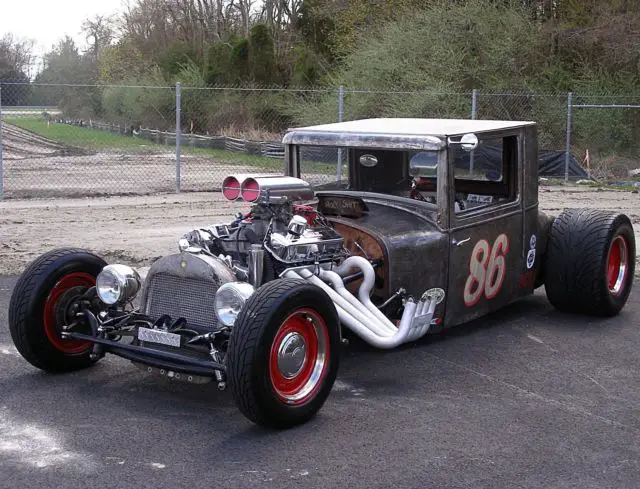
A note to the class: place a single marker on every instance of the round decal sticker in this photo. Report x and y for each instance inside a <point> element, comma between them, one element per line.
<point>531,258</point>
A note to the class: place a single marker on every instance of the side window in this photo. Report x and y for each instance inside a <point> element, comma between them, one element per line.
<point>381,171</point>
<point>324,167</point>
<point>423,164</point>
<point>486,176</point>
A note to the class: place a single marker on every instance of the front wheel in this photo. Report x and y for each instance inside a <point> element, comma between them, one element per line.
<point>43,301</point>
<point>283,353</point>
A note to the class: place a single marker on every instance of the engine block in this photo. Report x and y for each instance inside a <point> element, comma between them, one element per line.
<point>321,244</point>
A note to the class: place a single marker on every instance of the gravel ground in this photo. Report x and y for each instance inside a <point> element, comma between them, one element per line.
<point>138,229</point>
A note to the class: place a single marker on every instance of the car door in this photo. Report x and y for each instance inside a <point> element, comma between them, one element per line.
<point>486,229</point>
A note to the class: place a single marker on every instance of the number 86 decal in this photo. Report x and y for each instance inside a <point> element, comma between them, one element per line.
<point>487,269</point>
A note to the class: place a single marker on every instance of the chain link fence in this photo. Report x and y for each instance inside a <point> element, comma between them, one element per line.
<point>86,140</point>
<point>605,132</point>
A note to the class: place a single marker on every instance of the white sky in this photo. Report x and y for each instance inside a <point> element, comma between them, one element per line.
<point>47,21</point>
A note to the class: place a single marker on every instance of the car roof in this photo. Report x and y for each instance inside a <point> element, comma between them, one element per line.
<point>410,133</point>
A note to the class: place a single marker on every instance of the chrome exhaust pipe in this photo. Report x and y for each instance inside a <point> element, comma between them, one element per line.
<point>360,315</point>
<point>371,332</point>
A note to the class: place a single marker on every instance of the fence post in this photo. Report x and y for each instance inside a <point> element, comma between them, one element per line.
<point>178,104</point>
<point>567,154</point>
<point>340,119</point>
<point>1,150</point>
<point>474,104</point>
<point>474,115</point>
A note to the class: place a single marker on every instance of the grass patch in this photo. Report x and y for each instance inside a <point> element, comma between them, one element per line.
<point>80,137</point>
<point>83,137</point>
<point>626,187</point>
<point>236,158</point>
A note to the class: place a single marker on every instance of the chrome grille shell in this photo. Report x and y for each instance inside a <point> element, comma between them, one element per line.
<point>184,285</point>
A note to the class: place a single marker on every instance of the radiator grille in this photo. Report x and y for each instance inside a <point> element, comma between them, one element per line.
<point>189,298</point>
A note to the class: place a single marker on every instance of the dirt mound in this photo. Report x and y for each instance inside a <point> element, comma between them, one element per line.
<point>20,144</point>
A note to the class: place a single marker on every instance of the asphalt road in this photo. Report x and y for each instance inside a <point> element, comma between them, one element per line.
<point>525,398</point>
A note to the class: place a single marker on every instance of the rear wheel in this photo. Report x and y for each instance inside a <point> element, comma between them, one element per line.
<point>283,353</point>
<point>590,262</point>
<point>44,300</point>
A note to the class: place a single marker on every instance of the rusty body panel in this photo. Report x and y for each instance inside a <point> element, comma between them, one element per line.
<point>487,249</point>
<point>415,251</point>
<point>483,257</point>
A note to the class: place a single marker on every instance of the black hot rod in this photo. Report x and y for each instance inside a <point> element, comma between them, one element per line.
<point>391,229</point>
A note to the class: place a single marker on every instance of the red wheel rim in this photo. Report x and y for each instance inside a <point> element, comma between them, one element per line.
<point>51,328</point>
<point>617,266</point>
<point>299,356</point>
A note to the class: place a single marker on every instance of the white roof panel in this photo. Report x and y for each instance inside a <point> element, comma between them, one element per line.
<point>414,127</point>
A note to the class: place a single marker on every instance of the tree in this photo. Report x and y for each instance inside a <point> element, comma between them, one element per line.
<point>222,66</point>
<point>262,61</point>
<point>244,9</point>
<point>122,61</point>
<point>146,24</point>
<point>63,67</point>
<point>316,27</point>
<point>335,27</point>
<point>16,54</point>
<point>175,56</point>
<point>99,32</point>
<point>63,64</point>
<point>16,60</point>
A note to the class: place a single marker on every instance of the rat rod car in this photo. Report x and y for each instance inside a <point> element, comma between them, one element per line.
<point>388,229</point>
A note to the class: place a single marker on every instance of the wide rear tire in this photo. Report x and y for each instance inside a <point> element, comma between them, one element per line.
<point>39,303</point>
<point>590,262</point>
<point>283,353</point>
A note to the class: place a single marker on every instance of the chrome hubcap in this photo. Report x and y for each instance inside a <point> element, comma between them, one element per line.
<point>299,356</point>
<point>617,266</point>
<point>291,355</point>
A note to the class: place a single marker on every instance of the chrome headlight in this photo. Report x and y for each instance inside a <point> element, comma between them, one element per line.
<point>230,299</point>
<point>117,284</point>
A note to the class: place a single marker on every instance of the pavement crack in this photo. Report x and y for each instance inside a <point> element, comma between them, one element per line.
<point>562,405</point>
<point>596,383</point>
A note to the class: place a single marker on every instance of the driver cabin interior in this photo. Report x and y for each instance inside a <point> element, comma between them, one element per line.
<point>482,177</point>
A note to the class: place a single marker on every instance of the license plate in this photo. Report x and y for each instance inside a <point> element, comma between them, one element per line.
<point>157,336</point>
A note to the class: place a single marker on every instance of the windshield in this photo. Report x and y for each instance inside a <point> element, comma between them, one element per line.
<point>387,172</point>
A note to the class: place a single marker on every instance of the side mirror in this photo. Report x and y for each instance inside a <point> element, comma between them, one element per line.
<point>469,142</point>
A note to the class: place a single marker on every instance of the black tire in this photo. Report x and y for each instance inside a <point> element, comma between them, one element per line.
<point>61,273</point>
<point>250,355</point>
<point>578,260</point>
